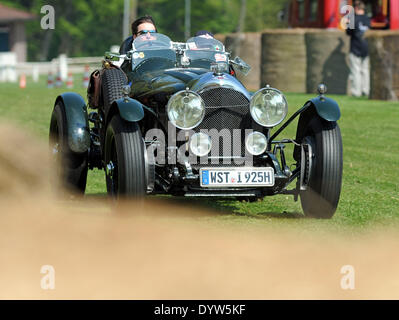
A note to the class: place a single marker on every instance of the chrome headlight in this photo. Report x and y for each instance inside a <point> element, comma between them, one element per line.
<point>185,109</point>
<point>200,144</point>
<point>268,107</point>
<point>256,143</point>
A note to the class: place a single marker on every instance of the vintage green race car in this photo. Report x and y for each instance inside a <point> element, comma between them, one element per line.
<point>174,119</point>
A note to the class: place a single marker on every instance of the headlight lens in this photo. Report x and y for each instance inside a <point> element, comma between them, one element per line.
<point>200,144</point>
<point>268,107</point>
<point>186,109</point>
<point>256,143</point>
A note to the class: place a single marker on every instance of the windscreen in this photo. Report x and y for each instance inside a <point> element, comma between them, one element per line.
<point>152,51</point>
<point>205,50</point>
<point>152,41</point>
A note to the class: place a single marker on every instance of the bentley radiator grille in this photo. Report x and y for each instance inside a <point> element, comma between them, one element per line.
<point>226,109</point>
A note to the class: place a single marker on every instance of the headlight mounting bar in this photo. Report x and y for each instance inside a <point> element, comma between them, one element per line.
<point>298,112</point>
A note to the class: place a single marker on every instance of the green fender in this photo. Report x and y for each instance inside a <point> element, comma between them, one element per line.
<point>326,108</point>
<point>129,109</point>
<point>77,121</point>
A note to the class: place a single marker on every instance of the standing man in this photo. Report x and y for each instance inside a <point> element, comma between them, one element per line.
<point>359,55</point>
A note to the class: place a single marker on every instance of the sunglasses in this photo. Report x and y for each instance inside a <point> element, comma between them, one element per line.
<point>139,33</point>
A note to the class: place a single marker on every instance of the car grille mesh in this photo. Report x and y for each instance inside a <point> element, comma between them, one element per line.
<point>226,109</point>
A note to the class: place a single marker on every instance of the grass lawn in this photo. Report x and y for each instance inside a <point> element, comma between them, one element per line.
<point>370,191</point>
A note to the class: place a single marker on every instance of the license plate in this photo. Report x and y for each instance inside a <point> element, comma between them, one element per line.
<point>237,177</point>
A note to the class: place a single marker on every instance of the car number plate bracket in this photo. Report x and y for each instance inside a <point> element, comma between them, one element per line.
<point>237,177</point>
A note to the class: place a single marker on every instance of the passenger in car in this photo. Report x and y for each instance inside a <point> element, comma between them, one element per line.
<point>204,34</point>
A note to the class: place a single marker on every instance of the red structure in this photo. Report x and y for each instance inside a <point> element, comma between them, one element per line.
<point>327,13</point>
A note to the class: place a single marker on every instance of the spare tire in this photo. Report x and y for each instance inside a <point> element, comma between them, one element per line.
<point>112,81</point>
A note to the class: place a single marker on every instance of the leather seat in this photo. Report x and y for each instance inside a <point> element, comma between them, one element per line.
<point>126,45</point>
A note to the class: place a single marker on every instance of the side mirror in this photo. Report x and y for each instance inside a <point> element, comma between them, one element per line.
<point>241,65</point>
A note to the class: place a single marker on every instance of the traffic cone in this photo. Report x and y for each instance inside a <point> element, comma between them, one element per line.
<point>58,81</point>
<point>86,77</point>
<point>70,81</point>
<point>50,80</point>
<point>22,81</point>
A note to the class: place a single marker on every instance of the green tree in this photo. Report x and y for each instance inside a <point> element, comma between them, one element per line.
<point>268,14</point>
<point>90,27</point>
<point>82,27</point>
<point>219,16</point>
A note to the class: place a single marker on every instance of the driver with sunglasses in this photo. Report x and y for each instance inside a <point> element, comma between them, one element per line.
<point>142,26</point>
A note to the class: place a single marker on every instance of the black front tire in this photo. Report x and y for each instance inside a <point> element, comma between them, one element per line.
<point>124,159</point>
<point>321,198</point>
<point>72,167</point>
